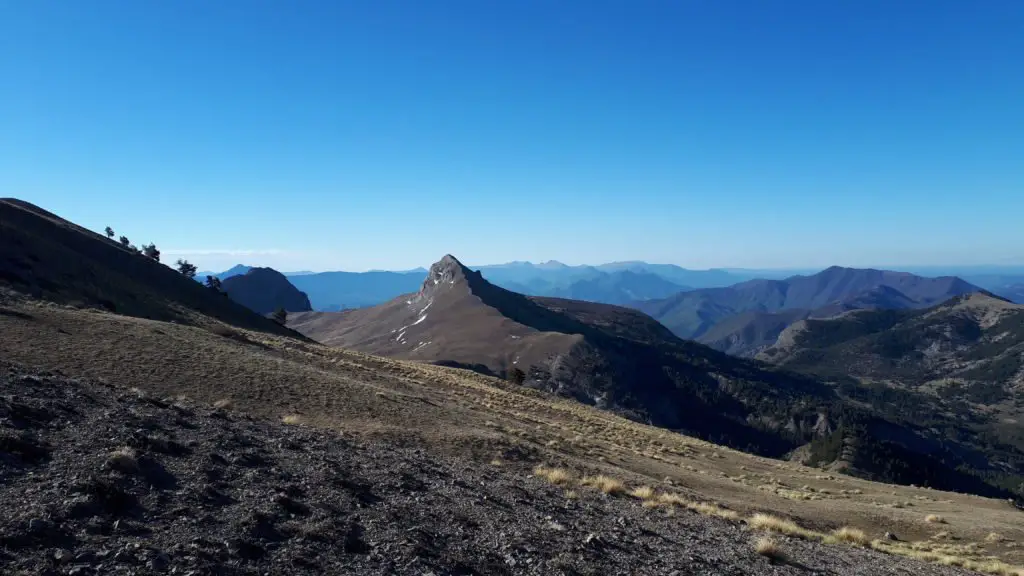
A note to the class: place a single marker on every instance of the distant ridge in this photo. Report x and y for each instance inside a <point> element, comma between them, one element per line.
<point>745,317</point>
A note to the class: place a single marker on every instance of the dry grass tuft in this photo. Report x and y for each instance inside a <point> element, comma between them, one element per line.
<point>606,484</point>
<point>643,493</point>
<point>994,538</point>
<point>571,495</point>
<point>123,460</point>
<point>955,558</point>
<point>709,509</point>
<point>770,523</point>
<point>769,548</point>
<point>557,476</point>
<point>292,419</point>
<point>854,536</point>
<point>934,519</point>
<point>224,404</point>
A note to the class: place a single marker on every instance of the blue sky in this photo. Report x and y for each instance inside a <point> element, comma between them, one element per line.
<point>384,134</point>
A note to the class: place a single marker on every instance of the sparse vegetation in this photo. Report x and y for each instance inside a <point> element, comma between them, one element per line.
<point>280,316</point>
<point>769,548</point>
<point>557,476</point>
<point>850,535</point>
<point>188,270</point>
<point>109,232</point>
<point>606,484</point>
<point>934,519</point>
<point>125,242</point>
<point>224,404</point>
<point>292,419</point>
<point>151,251</point>
<point>642,492</point>
<point>123,460</point>
<point>770,523</point>
<point>213,283</point>
<point>516,376</point>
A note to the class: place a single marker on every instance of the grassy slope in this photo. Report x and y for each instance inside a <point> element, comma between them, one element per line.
<point>451,410</point>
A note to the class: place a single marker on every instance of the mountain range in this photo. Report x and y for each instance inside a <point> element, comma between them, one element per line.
<point>743,318</point>
<point>136,398</point>
<point>956,368</point>
<point>614,283</point>
<point>619,359</point>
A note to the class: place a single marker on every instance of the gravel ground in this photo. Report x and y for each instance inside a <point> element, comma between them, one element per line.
<point>96,479</point>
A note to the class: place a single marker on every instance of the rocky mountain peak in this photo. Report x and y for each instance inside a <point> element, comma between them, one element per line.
<point>447,271</point>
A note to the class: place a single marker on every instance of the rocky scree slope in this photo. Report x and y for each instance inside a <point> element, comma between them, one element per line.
<point>264,290</point>
<point>101,480</point>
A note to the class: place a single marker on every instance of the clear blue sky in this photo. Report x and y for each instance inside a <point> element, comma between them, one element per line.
<point>383,134</point>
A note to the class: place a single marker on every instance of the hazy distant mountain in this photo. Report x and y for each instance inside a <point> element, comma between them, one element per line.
<point>697,314</point>
<point>264,290</point>
<point>1014,293</point>
<point>236,270</point>
<point>329,291</point>
<point>620,288</point>
<point>682,276</point>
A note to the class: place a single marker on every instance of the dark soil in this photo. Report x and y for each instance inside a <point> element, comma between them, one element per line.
<point>206,491</point>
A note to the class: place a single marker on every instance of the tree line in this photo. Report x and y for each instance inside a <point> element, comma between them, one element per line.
<point>150,250</point>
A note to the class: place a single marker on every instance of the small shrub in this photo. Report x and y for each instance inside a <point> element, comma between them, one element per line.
<point>224,404</point>
<point>643,493</point>
<point>934,519</point>
<point>292,419</point>
<point>607,484</point>
<point>123,460</point>
<point>850,535</point>
<point>994,538</point>
<point>769,548</point>
<point>557,476</point>
<point>770,523</point>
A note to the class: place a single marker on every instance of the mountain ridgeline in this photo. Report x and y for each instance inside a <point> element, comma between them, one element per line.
<point>956,368</point>
<point>622,360</point>
<point>48,258</point>
<point>747,317</point>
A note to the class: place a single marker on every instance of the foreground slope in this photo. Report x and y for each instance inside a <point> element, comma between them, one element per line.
<point>48,257</point>
<point>264,290</point>
<point>455,418</point>
<point>102,479</point>
<point>710,315</point>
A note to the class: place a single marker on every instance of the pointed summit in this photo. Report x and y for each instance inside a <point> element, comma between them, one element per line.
<point>447,271</point>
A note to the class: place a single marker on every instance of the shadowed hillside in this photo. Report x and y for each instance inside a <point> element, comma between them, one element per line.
<point>46,257</point>
<point>264,290</point>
